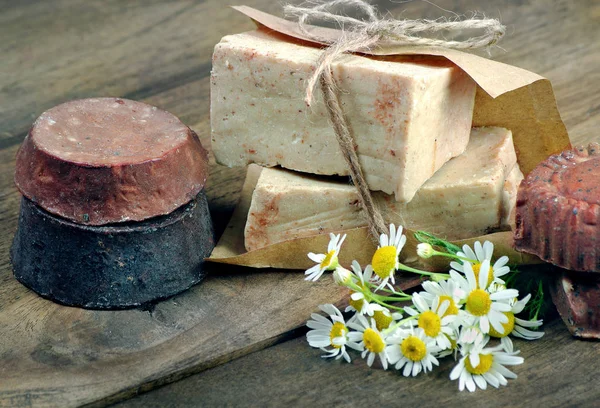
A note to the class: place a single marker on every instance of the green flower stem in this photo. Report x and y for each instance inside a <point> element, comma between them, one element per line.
<point>392,298</point>
<point>450,255</point>
<point>434,275</point>
<point>387,305</point>
<point>355,287</point>
<point>385,289</point>
<point>400,323</point>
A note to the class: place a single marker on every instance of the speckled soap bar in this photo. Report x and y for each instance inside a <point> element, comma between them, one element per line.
<point>470,195</point>
<point>408,115</point>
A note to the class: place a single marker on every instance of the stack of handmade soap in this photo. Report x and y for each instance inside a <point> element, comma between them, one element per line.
<point>410,118</point>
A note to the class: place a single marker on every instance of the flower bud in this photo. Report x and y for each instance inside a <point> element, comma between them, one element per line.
<point>342,276</point>
<point>425,250</point>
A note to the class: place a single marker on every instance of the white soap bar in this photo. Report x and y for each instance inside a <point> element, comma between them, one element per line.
<point>408,115</point>
<point>469,196</point>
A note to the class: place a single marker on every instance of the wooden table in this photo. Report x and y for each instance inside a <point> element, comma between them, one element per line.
<point>240,332</point>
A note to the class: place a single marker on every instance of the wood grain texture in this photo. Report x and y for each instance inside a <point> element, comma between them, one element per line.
<point>159,52</point>
<point>292,374</point>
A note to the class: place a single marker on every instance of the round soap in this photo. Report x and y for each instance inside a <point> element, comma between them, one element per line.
<point>107,160</point>
<point>558,210</point>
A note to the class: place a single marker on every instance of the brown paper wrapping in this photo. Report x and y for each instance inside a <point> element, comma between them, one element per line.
<point>507,96</point>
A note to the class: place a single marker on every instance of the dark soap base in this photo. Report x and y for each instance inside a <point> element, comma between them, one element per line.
<point>113,266</point>
<point>577,298</point>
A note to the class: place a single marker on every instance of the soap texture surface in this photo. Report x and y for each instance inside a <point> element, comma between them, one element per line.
<point>558,210</point>
<point>470,195</point>
<point>408,115</point>
<point>112,266</point>
<point>105,160</point>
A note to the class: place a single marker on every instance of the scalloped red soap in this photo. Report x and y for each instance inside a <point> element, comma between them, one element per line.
<point>558,210</point>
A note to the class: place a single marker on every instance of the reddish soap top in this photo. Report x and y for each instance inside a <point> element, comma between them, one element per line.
<point>106,160</point>
<point>107,131</point>
<point>582,181</point>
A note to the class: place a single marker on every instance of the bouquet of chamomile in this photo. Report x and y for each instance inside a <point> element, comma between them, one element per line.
<point>467,314</point>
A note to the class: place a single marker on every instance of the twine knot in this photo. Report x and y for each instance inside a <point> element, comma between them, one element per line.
<point>360,35</point>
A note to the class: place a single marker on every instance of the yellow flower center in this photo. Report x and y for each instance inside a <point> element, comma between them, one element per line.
<point>431,323</point>
<point>413,348</point>
<point>373,341</point>
<point>452,309</point>
<point>508,326</point>
<point>485,363</point>
<point>476,268</point>
<point>338,330</point>
<point>382,320</point>
<point>384,261</point>
<point>330,262</point>
<point>479,302</point>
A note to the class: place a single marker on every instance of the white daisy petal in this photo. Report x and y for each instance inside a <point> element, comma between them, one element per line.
<point>407,369</point>
<point>470,383</point>
<point>479,251</point>
<point>480,381</point>
<point>455,373</point>
<point>505,294</point>
<point>484,270</point>
<point>370,359</point>
<point>316,257</point>
<point>488,249</point>
<point>468,252</point>
<point>493,381</point>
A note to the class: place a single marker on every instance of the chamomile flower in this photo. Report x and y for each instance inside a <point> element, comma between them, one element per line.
<point>358,301</point>
<point>331,332</point>
<point>434,321</point>
<point>480,254</point>
<point>483,308</point>
<point>368,339</point>
<point>413,350</point>
<point>517,327</point>
<point>488,367</point>
<point>385,258</point>
<point>325,262</point>
<point>443,290</point>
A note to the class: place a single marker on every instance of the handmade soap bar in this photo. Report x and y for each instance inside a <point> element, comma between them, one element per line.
<point>558,210</point>
<point>103,160</point>
<point>408,115</point>
<point>465,198</point>
<point>114,214</point>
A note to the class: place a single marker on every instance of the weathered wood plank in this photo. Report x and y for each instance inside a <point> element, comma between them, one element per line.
<point>61,356</point>
<point>293,374</point>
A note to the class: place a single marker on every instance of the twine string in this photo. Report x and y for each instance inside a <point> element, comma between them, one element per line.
<point>362,35</point>
<point>342,132</point>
